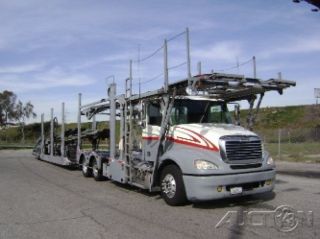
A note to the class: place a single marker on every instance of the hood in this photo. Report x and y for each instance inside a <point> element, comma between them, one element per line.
<point>206,135</point>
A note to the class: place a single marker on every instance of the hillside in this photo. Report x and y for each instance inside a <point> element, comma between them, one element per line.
<point>291,117</point>
<point>270,119</point>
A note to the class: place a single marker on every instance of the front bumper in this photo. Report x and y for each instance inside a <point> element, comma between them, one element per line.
<point>200,188</point>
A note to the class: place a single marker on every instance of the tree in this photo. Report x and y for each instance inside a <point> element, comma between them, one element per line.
<point>7,107</point>
<point>21,114</point>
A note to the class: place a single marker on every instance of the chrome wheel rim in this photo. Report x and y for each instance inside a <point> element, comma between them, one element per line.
<point>169,186</point>
<point>84,168</point>
<point>95,169</point>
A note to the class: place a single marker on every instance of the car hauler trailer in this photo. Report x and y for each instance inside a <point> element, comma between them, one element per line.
<point>64,149</point>
<point>179,139</point>
<point>52,148</point>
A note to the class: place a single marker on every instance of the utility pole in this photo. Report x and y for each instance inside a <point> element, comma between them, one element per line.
<point>199,68</point>
<point>51,133</point>
<point>317,94</point>
<point>279,144</point>
<point>188,53</point>
<point>62,129</point>
<point>165,65</point>
<point>254,67</point>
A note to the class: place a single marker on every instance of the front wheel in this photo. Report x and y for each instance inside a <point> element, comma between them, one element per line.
<point>172,187</point>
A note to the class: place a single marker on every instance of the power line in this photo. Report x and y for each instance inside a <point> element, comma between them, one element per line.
<point>177,66</point>
<point>160,48</point>
<point>149,80</point>
<point>236,66</point>
<point>176,36</point>
<point>149,56</point>
<point>140,60</point>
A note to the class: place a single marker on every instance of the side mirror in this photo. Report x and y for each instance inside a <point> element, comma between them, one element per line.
<point>140,107</point>
<point>237,114</point>
<point>142,123</point>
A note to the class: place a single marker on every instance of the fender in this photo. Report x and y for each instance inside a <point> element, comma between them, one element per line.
<point>184,157</point>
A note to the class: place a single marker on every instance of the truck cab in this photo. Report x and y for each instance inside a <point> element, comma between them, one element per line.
<point>205,155</point>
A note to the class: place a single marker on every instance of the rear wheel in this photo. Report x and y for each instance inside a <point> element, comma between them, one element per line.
<point>172,187</point>
<point>86,170</point>
<point>97,173</point>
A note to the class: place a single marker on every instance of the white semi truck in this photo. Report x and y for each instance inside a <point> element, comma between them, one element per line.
<point>180,140</point>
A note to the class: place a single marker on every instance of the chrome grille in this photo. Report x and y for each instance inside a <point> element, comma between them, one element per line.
<point>241,148</point>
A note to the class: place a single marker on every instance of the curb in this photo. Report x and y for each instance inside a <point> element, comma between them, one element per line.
<point>308,170</point>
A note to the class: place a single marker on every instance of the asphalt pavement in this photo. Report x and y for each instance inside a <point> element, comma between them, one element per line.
<point>41,200</point>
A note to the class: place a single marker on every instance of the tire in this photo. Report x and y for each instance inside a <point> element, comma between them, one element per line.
<point>97,173</point>
<point>172,186</point>
<point>86,170</point>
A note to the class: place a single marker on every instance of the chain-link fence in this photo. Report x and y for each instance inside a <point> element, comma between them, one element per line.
<point>300,144</point>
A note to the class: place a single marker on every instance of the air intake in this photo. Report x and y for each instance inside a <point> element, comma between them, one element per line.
<point>241,149</point>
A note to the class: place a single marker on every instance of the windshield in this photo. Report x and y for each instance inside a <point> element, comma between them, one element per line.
<point>187,111</point>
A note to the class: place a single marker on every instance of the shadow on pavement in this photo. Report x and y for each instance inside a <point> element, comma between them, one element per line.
<point>244,201</point>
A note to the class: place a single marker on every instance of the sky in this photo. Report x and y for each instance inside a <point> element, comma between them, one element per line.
<point>52,50</point>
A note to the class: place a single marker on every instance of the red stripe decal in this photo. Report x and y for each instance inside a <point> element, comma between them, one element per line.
<point>150,137</point>
<point>179,141</point>
<point>207,142</point>
<point>191,140</point>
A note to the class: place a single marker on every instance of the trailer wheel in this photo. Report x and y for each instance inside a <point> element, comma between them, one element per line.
<point>97,173</point>
<point>86,170</point>
<point>172,187</point>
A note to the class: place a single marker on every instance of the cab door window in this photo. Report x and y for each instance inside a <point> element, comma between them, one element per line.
<point>154,114</point>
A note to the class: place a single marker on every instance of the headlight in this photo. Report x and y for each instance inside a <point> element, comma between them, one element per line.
<point>203,164</point>
<point>270,161</point>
